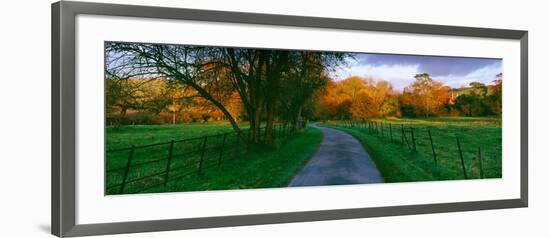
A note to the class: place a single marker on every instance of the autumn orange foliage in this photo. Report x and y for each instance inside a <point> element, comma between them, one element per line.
<point>425,96</point>
<point>359,98</point>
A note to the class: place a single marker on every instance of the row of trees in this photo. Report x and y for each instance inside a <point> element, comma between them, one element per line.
<point>176,83</point>
<point>361,98</point>
<point>480,99</point>
<point>356,97</point>
<point>160,101</point>
<point>270,85</point>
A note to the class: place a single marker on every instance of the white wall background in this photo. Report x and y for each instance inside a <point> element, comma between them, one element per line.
<point>25,118</point>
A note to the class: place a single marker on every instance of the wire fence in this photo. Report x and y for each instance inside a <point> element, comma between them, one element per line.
<point>434,147</point>
<point>140,168</point>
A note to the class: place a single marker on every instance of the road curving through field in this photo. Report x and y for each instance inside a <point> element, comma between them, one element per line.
<point>340,159</point>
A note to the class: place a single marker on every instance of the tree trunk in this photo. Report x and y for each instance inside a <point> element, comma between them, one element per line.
<point>254,91</point>
<point>173,112</point>
<point>121,117</point>
<point>274,72</point>
<point>173,117</point>
<point>269,125</point>
<point>298,118</point>
<point>257,125</point>
<point>272,91</point>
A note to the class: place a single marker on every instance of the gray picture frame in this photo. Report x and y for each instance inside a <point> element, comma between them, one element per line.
<point>64,133</point>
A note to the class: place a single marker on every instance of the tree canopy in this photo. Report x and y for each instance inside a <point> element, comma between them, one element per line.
<point>257,76</point>
<point>180,83</point>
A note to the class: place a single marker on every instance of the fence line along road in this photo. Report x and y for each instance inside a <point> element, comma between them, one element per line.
<point>139,168</point>
<point>409,137</point>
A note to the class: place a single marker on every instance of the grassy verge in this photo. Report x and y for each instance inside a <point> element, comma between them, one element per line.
<point>394,163</point>
<point>259,167</point>
<point>398,163</point>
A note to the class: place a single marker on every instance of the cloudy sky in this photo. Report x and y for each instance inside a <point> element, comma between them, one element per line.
<point>400,69</point>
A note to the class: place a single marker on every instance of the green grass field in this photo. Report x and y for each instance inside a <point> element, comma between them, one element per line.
<point>234,167</point>
<point>228,164</point>
<point>126,136</point>
<point>398,163</point>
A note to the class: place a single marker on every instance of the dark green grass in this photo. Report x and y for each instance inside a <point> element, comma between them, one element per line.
<point>126,136</point>
<point>236,167</point>
<point>398,163</point>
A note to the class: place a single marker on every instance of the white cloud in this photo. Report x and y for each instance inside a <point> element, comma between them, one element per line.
<point>484,75</point>
<point>399,75</point>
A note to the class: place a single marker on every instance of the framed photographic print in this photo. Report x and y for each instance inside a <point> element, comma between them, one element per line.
<point>167,118</point>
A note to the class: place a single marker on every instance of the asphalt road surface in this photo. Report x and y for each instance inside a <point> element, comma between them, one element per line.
<point>340,159</point>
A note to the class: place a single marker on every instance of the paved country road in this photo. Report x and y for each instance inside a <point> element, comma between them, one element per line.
<point>340,159</point>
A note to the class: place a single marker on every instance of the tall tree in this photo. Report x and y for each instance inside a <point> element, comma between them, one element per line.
<point>218,74</point>
<point>307,75</point>
<point>122,95</point>
<point>184,64</point>
<point>496,95</point>
<point>276,68</point>
<point>425,95</point>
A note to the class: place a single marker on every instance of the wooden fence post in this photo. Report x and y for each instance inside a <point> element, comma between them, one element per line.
<point>480,162</point>
<point>403,134</point>
<point>169,162</point>
<point>221,150</point>
<point>405,137</point>
<point>127,169</point>
<point>413,139</point>
<point>461,158</point>
<point>391,134</point>
<point>433,149</point>
<point>203,150</point>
